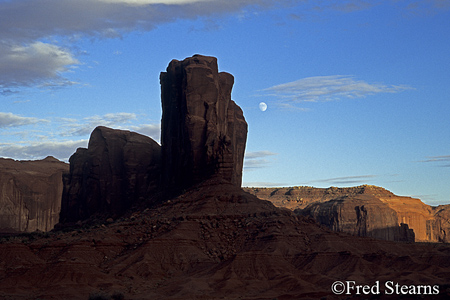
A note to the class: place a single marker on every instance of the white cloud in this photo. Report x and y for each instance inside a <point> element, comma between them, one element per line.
<point>257,159</point>
<point>34,64</point>
<point>8,120</point>
<point>26,22</point>
<point>36,19</point>
<point>39,150</point>
<point>26,61</point>
<point>327,88</point>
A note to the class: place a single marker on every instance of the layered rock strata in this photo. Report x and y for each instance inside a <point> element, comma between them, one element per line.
<point>360,216</point>
<point>117,169</point>
<point>203,131</point>
<point>30,194</point>
<point>392,217</point>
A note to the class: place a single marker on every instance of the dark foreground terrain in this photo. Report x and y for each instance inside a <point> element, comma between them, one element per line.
<point>213,242</point>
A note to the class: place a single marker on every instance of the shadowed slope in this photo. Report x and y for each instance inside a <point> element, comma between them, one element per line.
<point>215,241</point>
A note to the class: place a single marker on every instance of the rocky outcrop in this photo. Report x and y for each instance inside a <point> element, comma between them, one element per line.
<point>203,131</point>
<point>364,215</point>
<point>332,206</point>
<point>439,226</point>
<point>117,169</point>
<point>30,194</point>
<point>203,135</point>
<point>299,197</point>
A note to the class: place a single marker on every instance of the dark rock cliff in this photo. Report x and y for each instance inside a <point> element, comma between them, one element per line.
<point>117,169</point>
<point>203,131</point>
<point>203,135</point>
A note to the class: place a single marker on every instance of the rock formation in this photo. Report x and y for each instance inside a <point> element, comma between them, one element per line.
<point>203,131</point>
<point>364,215</point>
<point>334,207</point>
<point>117,169</point>
<point>439,226</point>
<point>30,194</point>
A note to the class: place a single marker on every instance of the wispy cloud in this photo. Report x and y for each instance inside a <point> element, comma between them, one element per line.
<point>75,127</point>
<point>146,2</point>
<point>257,159</point>
<point>442,161</point>
<point>291,107</point>
<point>351,6</point>
<point>328,88</point>
<point>42,139</point>
<point>346,180</point>
<point>264,184</point>
<point>38,150</point>
<point>8,120</point>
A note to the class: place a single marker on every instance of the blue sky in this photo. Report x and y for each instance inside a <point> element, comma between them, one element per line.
<point>357,91</point>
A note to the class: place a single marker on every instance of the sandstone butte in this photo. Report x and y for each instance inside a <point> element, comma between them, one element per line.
<point>118,169</point>
<point>30,194</point>
<point>207,238</point>
<point>203,131</point>
<point>364,211</point>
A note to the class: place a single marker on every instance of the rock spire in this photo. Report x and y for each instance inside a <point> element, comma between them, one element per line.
<point>204,132</point>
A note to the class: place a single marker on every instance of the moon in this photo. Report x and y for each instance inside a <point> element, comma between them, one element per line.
<point>262,106</point>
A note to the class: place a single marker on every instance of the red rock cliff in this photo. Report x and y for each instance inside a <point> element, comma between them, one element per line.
<point>30,194</point>
<point>391,217</point>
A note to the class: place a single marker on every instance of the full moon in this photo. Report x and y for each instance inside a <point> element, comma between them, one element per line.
<point>263,106</point>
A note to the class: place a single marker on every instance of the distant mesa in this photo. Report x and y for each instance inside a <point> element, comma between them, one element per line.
<point>364,211</point>
<point>30,194</point>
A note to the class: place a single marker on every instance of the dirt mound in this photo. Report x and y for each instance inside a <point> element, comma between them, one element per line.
<point>213,242</point>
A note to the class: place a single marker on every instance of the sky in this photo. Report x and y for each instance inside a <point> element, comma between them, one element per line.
<point>357,92</point>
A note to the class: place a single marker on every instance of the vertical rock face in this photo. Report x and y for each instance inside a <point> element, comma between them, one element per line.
<point>438,229</point>
<point>203,131</point>
<point>30,194</point>
<point>118,168</point>
<point>364,215</point>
